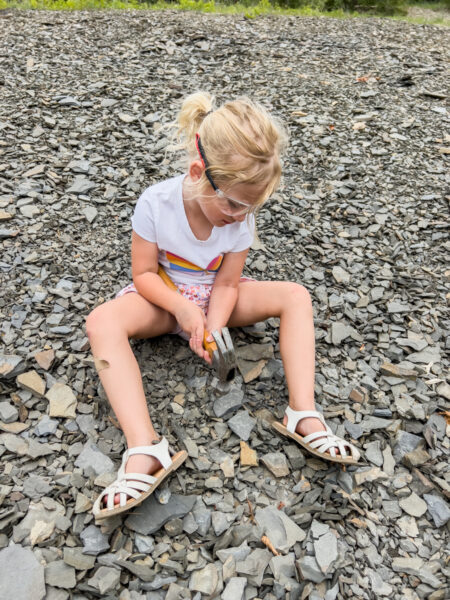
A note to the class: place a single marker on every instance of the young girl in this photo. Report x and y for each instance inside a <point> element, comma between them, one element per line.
<point>199,227</point>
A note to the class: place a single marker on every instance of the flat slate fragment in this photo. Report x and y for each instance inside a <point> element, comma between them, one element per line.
<point>30,585</point>
<point>438,508</point>
<point>242,425</point>
<point>280,529</point>
<point>150,516</point>
<point>11,365</point>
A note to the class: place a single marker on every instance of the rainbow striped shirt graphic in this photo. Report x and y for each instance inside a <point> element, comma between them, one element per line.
<point>177,263</point>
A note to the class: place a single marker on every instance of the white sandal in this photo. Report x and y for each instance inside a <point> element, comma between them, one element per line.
<point>320,443</point>
<point>134,488</point>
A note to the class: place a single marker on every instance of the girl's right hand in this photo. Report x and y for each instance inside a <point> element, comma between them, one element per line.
<point>192,320</point>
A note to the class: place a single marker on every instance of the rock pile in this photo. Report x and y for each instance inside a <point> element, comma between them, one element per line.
<point>361,221</point>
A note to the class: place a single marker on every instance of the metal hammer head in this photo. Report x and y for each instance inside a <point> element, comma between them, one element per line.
<point>222,354</point>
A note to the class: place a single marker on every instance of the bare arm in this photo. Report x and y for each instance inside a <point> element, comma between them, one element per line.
<point>224,293</point>
<point>144,268</point>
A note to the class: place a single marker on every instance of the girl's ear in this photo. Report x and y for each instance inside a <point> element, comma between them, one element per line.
<point>196,170</point>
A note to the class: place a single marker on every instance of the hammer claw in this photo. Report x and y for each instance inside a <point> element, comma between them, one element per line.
<point>224,359</point>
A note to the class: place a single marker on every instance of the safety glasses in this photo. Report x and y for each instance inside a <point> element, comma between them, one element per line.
<point>229,206</point>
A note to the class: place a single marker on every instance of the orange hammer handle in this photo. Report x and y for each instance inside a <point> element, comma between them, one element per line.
<point>167,279</point>
<point>210,347</point>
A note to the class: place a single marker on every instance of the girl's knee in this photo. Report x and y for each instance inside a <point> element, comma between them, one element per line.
<point>298,294</point>
<point>99,320</point>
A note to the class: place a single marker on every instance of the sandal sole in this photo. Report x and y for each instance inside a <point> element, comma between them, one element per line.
<point>177,460</point>
<point>324,456</point>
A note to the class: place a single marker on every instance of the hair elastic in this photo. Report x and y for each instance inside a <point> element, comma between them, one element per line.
<point>208,113</point>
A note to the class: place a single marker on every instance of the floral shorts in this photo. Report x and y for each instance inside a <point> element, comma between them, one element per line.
<point>198,293</point>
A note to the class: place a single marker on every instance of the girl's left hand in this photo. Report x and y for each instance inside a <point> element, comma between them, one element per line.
<point>196,345</point>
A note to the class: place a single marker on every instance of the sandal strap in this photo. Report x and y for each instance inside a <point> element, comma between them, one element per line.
<point>128,486</point>
<point>331,442</point>
<point>138,477</point>
<point>160,451</point>
<point>320,440</point>
<point>110,493</point>
<point>294,416</point>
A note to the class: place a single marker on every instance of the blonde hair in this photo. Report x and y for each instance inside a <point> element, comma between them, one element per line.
<point>242,142</point>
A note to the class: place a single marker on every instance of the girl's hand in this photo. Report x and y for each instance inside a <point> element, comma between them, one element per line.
<point>192,320</point>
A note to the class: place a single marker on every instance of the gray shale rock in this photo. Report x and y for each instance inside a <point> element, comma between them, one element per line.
<point>59,574</point>
<point>94,541</point>
<point>242,425</point>
<point>281,530</point>
<point>105,579</point>
<point>226,405</point>
<point>11,365</point>
<point>21,575</point>
<point>438,509</point>
<point>92,459</point>
<point>150,516</point>
<point>204,580</point>
<point>234,589</point>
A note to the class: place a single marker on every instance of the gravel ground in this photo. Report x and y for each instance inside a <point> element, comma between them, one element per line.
<point>361,222</point>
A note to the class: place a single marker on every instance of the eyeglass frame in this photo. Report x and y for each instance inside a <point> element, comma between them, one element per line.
<point>219,193</point>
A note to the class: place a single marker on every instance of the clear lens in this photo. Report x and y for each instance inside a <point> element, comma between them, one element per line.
<point>226,205</point>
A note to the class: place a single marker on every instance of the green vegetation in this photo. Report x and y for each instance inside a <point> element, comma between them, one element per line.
<point>433,12</point>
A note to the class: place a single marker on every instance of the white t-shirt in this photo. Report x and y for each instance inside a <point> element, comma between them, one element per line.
<point>160,217</point>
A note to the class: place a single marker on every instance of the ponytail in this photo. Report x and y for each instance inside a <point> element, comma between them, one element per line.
<point>193,111</point>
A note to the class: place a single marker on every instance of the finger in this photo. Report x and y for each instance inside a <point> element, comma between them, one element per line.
<point>196,344</point>
<point>193,342</point>
<point>199,335</point>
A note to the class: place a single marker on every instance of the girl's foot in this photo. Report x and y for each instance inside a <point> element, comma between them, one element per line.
<point>139,463</point>
<point>307,426</point>
<point>133,484</point>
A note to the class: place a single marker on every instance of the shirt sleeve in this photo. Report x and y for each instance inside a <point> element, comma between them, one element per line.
<point>246,235</point>
<point>144,217</point>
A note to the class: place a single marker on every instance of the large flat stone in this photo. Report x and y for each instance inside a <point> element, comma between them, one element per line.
<point>234,589</point>
<point>47,511</point>
<point>62,401</point>
<point>413,505</point>
<point>326,552</point>
<point>276,463</point>
<point>21,574</point>
<point>310,569</point>
<point>279,528</point>
<point>254,565</point>
<point>150,516</point>
<point>405,442</point>
<point>59,574</point>
<point>204,580</point>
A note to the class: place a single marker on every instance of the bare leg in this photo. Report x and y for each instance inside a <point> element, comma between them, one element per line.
<point>109,328</point>
<point>260,300</point>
